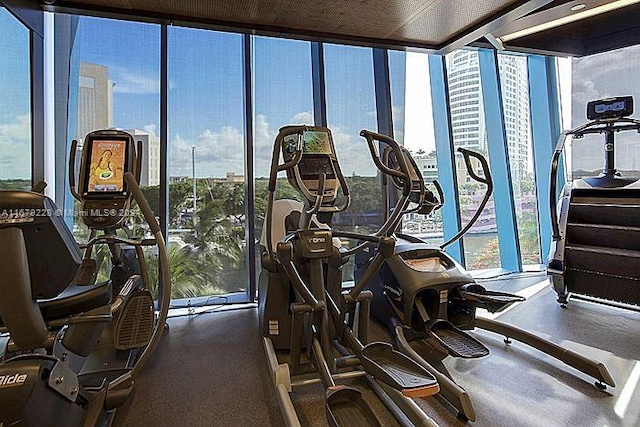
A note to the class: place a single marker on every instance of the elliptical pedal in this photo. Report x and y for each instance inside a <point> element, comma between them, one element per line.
<point>345,406</point>
<point>382,362</point>
<point>475,295</point>
<point>455,341</point>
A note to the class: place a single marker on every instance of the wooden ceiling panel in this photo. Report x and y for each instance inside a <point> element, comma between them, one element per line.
<point>422,23</point>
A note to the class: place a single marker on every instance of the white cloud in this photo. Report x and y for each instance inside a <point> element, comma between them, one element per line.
<point>216,153</point>
<point>128,81</point>
<point>150,129</point>
<point>219,152</point>
<point>303,118</point>
<point>15,148</point>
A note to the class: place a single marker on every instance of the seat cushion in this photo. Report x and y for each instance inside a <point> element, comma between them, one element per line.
<point>76,299</point>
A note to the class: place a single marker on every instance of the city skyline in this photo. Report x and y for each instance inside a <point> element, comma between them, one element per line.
<point>212,119</point>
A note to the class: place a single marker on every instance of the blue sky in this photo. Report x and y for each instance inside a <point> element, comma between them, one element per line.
<point>15,132</point>
<point>206,92</point>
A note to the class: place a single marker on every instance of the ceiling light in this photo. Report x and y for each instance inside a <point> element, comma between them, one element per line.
<point>582,13</point>
<point>578,6</point>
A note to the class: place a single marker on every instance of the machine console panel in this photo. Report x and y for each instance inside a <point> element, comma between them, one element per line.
<point>106,156</point>
<point>318,157</point>
<point>610,108</point>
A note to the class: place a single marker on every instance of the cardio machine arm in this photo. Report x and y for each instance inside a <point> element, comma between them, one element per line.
<point>285,258</point>
<point>165,282</point>
<point>485,179</point>
<point>438,201</point>
<point>72,170</point>
<point>277,167</point>
<point>401,173</point>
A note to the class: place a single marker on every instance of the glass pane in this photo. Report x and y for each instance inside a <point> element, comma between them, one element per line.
<point>419,139</point>
<point>117,64</point>
<point>206,165</point>
<point>600,76</point>
<point>350,108</point>
<point>397,80</point>
<point>481,245</point>
<point>515,102</point>
<point>15,104</point>
<point>280,99</point>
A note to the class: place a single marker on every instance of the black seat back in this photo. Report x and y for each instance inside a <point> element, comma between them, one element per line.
<point>39,258</point>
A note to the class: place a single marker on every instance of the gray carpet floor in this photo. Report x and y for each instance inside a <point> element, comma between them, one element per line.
<point>210,370</point>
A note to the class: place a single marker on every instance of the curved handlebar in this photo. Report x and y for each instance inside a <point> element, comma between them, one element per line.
<point>467,154</point>
<point>487,180</point>
<point>165,273</point>
<point>72,170</point>
<point>553,180</point>
<point>440,201</point>
<point>285,255</point>
<point>403,173</point>
<point>297,154</point>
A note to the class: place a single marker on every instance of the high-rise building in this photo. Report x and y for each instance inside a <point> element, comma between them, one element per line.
<point>150,175</point>
<point>515,102</point>
<point>95,99</point>
<point>465,100</point>
<point>467,112</point>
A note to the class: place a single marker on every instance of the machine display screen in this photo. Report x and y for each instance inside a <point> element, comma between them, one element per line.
<point>431,264</point>
<point>107,166</point>
<point>610,108</point>
<point>317,142</point>
<point>312,167</point>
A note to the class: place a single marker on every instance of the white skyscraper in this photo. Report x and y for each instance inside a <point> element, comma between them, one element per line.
<point>465,100</point>
<point>150,175</point>
<point>467,112</point>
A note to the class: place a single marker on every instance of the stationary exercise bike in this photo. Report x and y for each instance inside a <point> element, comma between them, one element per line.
<point>309,323</point>
<point>77,344</point>
<point>428,301</point>
<point>595,250</point>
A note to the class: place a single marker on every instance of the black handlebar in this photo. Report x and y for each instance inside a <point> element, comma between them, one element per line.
<point>440,201</point>
<point>467,154</point>
<point>403,173</point>
<point>485,179</point>
<point>72,170</point>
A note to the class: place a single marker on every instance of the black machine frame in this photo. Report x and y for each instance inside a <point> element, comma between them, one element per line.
<point>595,228</point>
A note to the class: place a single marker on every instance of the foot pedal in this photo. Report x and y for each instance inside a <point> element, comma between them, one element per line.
<point>346,407</point>
<point>477,296</point>
<point>383,363</point>
<point>135,324</point>
<point>87,273</point>
<point>455,341</point>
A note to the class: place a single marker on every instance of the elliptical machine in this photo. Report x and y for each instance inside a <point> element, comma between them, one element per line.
<point>428,301</point>
<point>76,346</point>
<point>309,324</point>
<point>595,250</point>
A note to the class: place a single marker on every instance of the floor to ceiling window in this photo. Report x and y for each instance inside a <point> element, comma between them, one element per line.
<point>517,121</point>
<point>418,137</point>
<point>116,65</point>
<point>283,95</point>
<point>351,107</point>
<point>15,104</point>
<point>468,127</point>
<point>206,167</point>
<point>595,77</point>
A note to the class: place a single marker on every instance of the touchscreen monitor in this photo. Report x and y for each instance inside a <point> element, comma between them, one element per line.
<point>106,166</point>
<point>317,142</point>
